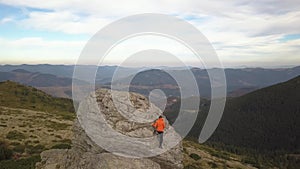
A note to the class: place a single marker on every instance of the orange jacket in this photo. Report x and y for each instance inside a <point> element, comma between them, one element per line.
<point>159,125</point>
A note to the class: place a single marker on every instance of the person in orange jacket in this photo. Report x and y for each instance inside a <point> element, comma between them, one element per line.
<point>159,126</point>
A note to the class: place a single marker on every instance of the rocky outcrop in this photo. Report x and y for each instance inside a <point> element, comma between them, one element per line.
<point>121,136</point>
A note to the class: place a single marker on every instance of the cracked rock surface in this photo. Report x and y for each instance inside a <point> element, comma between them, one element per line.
<point>123,126</point>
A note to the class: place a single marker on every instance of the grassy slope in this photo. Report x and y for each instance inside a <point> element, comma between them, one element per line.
<point>19,96</point>
<point>197,156</point>
<point>32,121</point>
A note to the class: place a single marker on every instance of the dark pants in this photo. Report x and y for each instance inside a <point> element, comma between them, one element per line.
<point>160,138</point>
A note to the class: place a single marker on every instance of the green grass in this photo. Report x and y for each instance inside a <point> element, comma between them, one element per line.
<point>27,133</point>
<point>212,151</point>
<point>205,156</point>
<point>20,96</point>
<point>24,163</point>
<point>30,149</point>
<point>15,135</point>
<point>194,156</point>
<point>56,126</point>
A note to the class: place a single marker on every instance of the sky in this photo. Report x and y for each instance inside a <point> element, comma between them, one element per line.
<point>244,33</point>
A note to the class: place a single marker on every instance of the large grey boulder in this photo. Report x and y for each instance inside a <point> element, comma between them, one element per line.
<point>120,135</point>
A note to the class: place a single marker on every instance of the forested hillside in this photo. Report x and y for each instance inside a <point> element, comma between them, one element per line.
<point>263,124</point>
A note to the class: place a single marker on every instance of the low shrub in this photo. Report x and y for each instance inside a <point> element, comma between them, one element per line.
<point>19,148</point>
<point>195,156</point>
<point>35,149</point>
<point>5,152</point>
<point>213,165</point>
<point>57,126</point>
<point>25,163</point>
<point>15,135</point>
<point>61,146</point>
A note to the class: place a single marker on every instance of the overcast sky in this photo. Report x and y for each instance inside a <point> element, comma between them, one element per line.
<point>243,33</point>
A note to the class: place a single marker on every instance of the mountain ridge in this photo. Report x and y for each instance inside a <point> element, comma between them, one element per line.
<point>37,79</point>
<point>239,80</point>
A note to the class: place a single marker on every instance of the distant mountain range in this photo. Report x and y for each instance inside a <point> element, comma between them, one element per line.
<point>51,84</point>
<point>239,81</point>
<point>57,70</point>
<point>104,73</point>
<point>56,79</point>
<point>36,79</point>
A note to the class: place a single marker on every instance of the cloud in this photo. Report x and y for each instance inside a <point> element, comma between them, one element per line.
<point>241,31</point>
<point>273,7</point>
<point>6,20</point>
<point>114,7</point>
<point>256,18</point>
<point>38,50</point>
<point>63,21</point>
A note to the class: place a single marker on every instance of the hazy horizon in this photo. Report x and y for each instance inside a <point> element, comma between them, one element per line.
<point>159,66</point>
